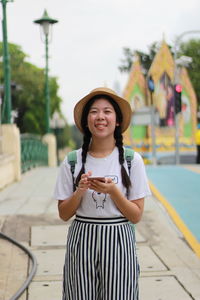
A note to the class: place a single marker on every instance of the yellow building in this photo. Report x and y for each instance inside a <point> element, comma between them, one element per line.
<point>136,92</point>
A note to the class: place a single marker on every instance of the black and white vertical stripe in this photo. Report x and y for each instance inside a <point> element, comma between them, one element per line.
<point>101,262</point>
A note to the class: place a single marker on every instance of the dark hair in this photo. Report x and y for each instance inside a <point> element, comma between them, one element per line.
<point>117,135</point>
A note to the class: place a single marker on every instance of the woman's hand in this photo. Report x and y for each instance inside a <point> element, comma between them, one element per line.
<point>106,187</point>
<point>68,207</point>
<point>84,184</point>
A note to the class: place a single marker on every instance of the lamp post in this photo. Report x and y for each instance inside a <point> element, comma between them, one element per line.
<point>45,23</point>
<point>6,112</point>
<point>177,43</point>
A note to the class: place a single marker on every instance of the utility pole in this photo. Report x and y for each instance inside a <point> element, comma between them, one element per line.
<point>7,106</point>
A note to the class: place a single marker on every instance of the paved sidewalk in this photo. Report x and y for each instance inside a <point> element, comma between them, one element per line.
<point>170,270</point>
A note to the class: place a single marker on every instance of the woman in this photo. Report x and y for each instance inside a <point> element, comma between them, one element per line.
<point>101,261</point>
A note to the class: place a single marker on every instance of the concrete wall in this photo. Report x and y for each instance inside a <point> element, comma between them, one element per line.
<point>10,162</point>
<point>7,174</point>
<point>10,158</point>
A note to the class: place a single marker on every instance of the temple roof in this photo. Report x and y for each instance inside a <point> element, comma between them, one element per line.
<point>135,77</point>
<point>162,62</point>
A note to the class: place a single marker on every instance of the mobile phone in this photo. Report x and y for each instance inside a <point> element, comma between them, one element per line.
<point>102,179</point>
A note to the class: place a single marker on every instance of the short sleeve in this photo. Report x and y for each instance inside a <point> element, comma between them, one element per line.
<point>139,181</point>
<point>64,184</point>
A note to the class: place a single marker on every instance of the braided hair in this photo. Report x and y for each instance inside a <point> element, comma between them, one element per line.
<point>117,135</point>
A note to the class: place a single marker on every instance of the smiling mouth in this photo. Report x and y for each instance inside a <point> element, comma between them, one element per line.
<point>99,126</point>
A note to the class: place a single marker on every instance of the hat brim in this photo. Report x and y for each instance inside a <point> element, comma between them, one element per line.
<point>123,105</point>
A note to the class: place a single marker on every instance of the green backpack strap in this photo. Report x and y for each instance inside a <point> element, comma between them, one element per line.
<point>72,160</point>
<point>129,155</point>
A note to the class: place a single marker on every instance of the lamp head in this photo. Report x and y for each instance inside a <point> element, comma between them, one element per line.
<point>45,21</point>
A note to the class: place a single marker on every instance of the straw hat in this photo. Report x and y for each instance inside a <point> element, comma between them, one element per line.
<point>123,105</point>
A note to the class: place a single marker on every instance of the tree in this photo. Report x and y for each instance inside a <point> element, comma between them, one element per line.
<point>28,92</point>
<point>76,136</point>
<point>192,49</point>
<point>127,61</point>
<point>145,59</point>
<point>63,136</point>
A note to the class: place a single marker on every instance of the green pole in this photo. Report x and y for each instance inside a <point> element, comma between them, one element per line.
<point>45,21</point>
<point>6,113</point>
<point>47,95</point>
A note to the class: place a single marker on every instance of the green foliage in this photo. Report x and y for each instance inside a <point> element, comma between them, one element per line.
<point>63,136</point>
<point>71,144</point>
<point>126,62</point>
<point>76,136</point>
<point>192,49</point>
<point>145,59</point>
<point>31,122</point>
<point>28,91</point>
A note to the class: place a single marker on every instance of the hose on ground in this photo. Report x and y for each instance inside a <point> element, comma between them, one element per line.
<point>33,270</point>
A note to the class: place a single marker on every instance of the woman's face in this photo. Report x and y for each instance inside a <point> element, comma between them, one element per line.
<point>101,119</point>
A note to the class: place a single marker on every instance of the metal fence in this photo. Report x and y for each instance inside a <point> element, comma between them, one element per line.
<point>33,152</point>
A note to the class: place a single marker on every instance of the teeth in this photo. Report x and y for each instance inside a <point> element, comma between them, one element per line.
<point>101,125</point>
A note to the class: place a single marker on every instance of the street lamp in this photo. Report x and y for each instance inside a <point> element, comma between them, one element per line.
<point>45,23</point>
<point>6,113</point>
<point>176,45</point>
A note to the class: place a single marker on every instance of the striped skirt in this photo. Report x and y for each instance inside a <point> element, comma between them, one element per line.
<point>100,261</point>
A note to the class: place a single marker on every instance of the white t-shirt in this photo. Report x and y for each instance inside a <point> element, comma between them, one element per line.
<point>96,204</point>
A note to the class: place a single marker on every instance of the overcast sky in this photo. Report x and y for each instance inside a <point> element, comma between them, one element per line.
<point>87,43</point>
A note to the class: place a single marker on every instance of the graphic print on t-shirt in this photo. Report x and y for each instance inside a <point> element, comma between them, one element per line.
<point>100,198</point>
<point>113,177</point>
